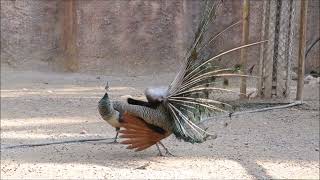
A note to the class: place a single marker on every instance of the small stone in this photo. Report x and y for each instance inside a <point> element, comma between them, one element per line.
<point>98,77</point>
<point>83,132</point>
<point>246,144</point>
<point>317,149</point>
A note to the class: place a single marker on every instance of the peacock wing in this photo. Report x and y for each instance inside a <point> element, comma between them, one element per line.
<point>139,135</point>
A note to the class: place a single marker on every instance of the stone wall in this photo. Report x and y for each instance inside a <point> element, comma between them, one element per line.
<point>132,36</point>
<point>127,36</point>
<point>28,33</point>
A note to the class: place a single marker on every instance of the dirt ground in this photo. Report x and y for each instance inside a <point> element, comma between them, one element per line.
<point>39,107</point>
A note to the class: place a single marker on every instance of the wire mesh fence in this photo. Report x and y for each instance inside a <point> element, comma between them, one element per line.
<point>279,26</point>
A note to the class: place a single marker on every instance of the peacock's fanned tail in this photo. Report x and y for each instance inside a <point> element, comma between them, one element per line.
<point>196,78</point>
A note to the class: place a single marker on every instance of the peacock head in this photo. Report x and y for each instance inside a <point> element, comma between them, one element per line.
<point>105,99</point>
<point>105,105</point>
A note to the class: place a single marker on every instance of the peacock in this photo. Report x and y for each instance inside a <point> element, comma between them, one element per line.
<point>175,109</point>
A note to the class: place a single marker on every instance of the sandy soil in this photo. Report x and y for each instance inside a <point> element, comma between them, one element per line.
<point>39,107</point>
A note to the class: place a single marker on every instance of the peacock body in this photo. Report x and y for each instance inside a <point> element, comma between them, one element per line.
<point>175,109</point>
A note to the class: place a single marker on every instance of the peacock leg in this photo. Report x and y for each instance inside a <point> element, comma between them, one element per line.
<point>115,138</point>
<point>160,153</point>
<point>166,149</point>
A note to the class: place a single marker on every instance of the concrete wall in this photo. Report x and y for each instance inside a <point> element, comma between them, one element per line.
<point>127,36</point>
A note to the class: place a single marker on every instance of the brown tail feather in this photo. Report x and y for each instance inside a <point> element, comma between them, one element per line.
<point>136,141</point>
<point>133,120</point>
<point>133,131</point>
<point>133,135</point>
<point>136,128</point>
<point>138,145</point>
<point>138,134</point>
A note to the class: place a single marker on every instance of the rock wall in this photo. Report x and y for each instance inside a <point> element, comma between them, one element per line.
<point>128,36</point>
<point>28,33</point>
<point>132,36</point>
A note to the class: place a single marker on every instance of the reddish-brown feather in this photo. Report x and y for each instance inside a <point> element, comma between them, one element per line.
<point>136,128</point>
<point>131,119</point>
<point>126,131</point>
<point>137,145</point>
<point>143,147</point>
<point>132,135</point>
<point>140,143</point>
<point>138,134</point>
<point>135,140</point>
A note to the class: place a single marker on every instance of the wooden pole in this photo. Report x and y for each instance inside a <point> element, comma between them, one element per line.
<point>69,17</point>
<point>302,48</point>
<point>243,53</point>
